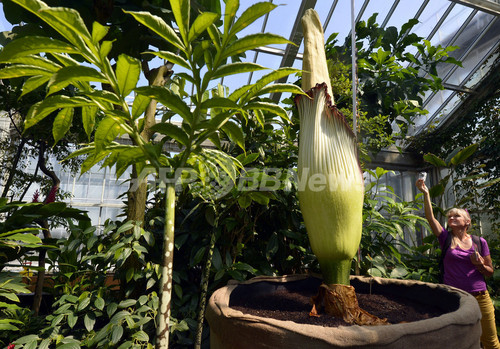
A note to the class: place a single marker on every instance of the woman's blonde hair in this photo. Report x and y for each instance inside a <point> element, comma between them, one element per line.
<point>462,213</point>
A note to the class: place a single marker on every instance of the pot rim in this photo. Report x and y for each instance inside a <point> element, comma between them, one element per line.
<point>467,314</point>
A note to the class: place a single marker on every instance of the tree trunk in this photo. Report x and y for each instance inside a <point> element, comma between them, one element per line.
<point>37,300</point>
<point>137,194</point>
<point>10,179</point>
<point>163,317</point>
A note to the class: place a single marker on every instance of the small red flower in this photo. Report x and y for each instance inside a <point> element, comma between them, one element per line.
<point>52,195</point>
<point>36,196</point>
<point>11,346</point>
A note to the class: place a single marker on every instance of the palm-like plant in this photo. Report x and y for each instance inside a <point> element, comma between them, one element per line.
<point>51,62</point>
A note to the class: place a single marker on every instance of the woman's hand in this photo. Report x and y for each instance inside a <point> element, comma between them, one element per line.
<point>477,260</point>
<point>421,186</point>
<point>483,265</point>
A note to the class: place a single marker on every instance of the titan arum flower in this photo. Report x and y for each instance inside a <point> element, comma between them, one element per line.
<point>331,182</point>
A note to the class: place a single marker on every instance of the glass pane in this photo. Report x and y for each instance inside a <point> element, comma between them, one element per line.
<point>430,16</point>
<point>281,20</point>
<point>380,7</point>
<point>403,13</point>
<point>464,41</point>
<point>452,23</point>
<point>340,21</point>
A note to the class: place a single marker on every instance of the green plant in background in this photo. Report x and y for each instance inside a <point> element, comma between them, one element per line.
<point>202,117</point>
<point>391,79</point>
<point>466,191</point>
<point>388,222</point>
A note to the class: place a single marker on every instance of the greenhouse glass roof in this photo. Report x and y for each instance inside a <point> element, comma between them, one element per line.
<point>473,25</point>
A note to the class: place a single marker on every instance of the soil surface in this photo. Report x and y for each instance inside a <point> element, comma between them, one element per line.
<point>294,305</point>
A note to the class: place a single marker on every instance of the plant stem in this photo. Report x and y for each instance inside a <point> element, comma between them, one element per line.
<point>204,291</point>
<point>336,272</point>
<point>162,329</point>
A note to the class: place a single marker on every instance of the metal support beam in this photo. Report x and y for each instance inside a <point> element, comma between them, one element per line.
<point>488,6</point>
<point>296,36</point>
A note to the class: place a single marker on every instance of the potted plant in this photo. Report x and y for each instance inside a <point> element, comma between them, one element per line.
<point>331,198</point>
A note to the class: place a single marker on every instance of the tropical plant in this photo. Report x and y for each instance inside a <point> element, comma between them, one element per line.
<point>391,78</point>
<point>388,222</point>
<point>463,191</point>
<point>480,126</point>
<point>202,119</point>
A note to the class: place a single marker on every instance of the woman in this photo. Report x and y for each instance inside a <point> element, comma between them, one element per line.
<point>464,268</point>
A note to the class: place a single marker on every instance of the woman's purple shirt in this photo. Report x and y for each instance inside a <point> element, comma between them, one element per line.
<point>459,271</point>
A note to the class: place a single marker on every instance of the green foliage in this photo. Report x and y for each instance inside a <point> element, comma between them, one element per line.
<point>467,188</point>
<point>19,230</point>
<point>480,172</point>
<point>389,247</point>
<point>391,78</point>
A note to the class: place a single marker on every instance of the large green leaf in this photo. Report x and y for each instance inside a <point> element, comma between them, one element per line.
<point>434,160</point>
<point>270,107</point>
<point>464,154</point>
<point>107,131</point>
<point>74,75</point>
<point>62,123</point>
<point>30,45</point>
<point>173,131</point>
<point>88,119</point>
<point>251,42</point>
<point>126,157</point>
<point>158,25</point>
<point>33,83</point>
<point>281,88</point>
<point>215,35</point>
<point>267,79</point>
<point>98,32</point>
<point>250,16</point>
<point>236,68</point>
<point>229,14</point>
<point>104,99</point>
<point>40,110</point>
<point>25,238</point>
<point>171,57</point>
<point>168,99</point>
<point>69,24</point>
<point>66,21</point>
<point>200,24</point>
<point>139,106</point>
<point>38,61</point>
<point>128,70</point>
<point>92,160</point>
<point>219,102</point>
<point>20,70</point>
<point>235,133</point>
<point>181,10</point>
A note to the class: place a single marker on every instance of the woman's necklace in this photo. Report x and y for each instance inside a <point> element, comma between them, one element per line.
<point>465,243</point>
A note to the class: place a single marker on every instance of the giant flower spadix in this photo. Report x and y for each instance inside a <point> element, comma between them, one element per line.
<point>331,186</point>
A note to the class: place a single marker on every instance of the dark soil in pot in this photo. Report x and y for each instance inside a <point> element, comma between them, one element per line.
<point>291,301</point>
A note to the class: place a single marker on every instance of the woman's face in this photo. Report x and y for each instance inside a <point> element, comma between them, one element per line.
<point>455,220</point>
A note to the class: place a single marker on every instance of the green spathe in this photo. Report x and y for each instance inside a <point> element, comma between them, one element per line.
<point>332,191</point>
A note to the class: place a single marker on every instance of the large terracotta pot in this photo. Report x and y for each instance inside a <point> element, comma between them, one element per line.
<point>458,328</point>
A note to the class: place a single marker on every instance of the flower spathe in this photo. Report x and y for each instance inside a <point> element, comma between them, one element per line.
<point>331,188</point>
